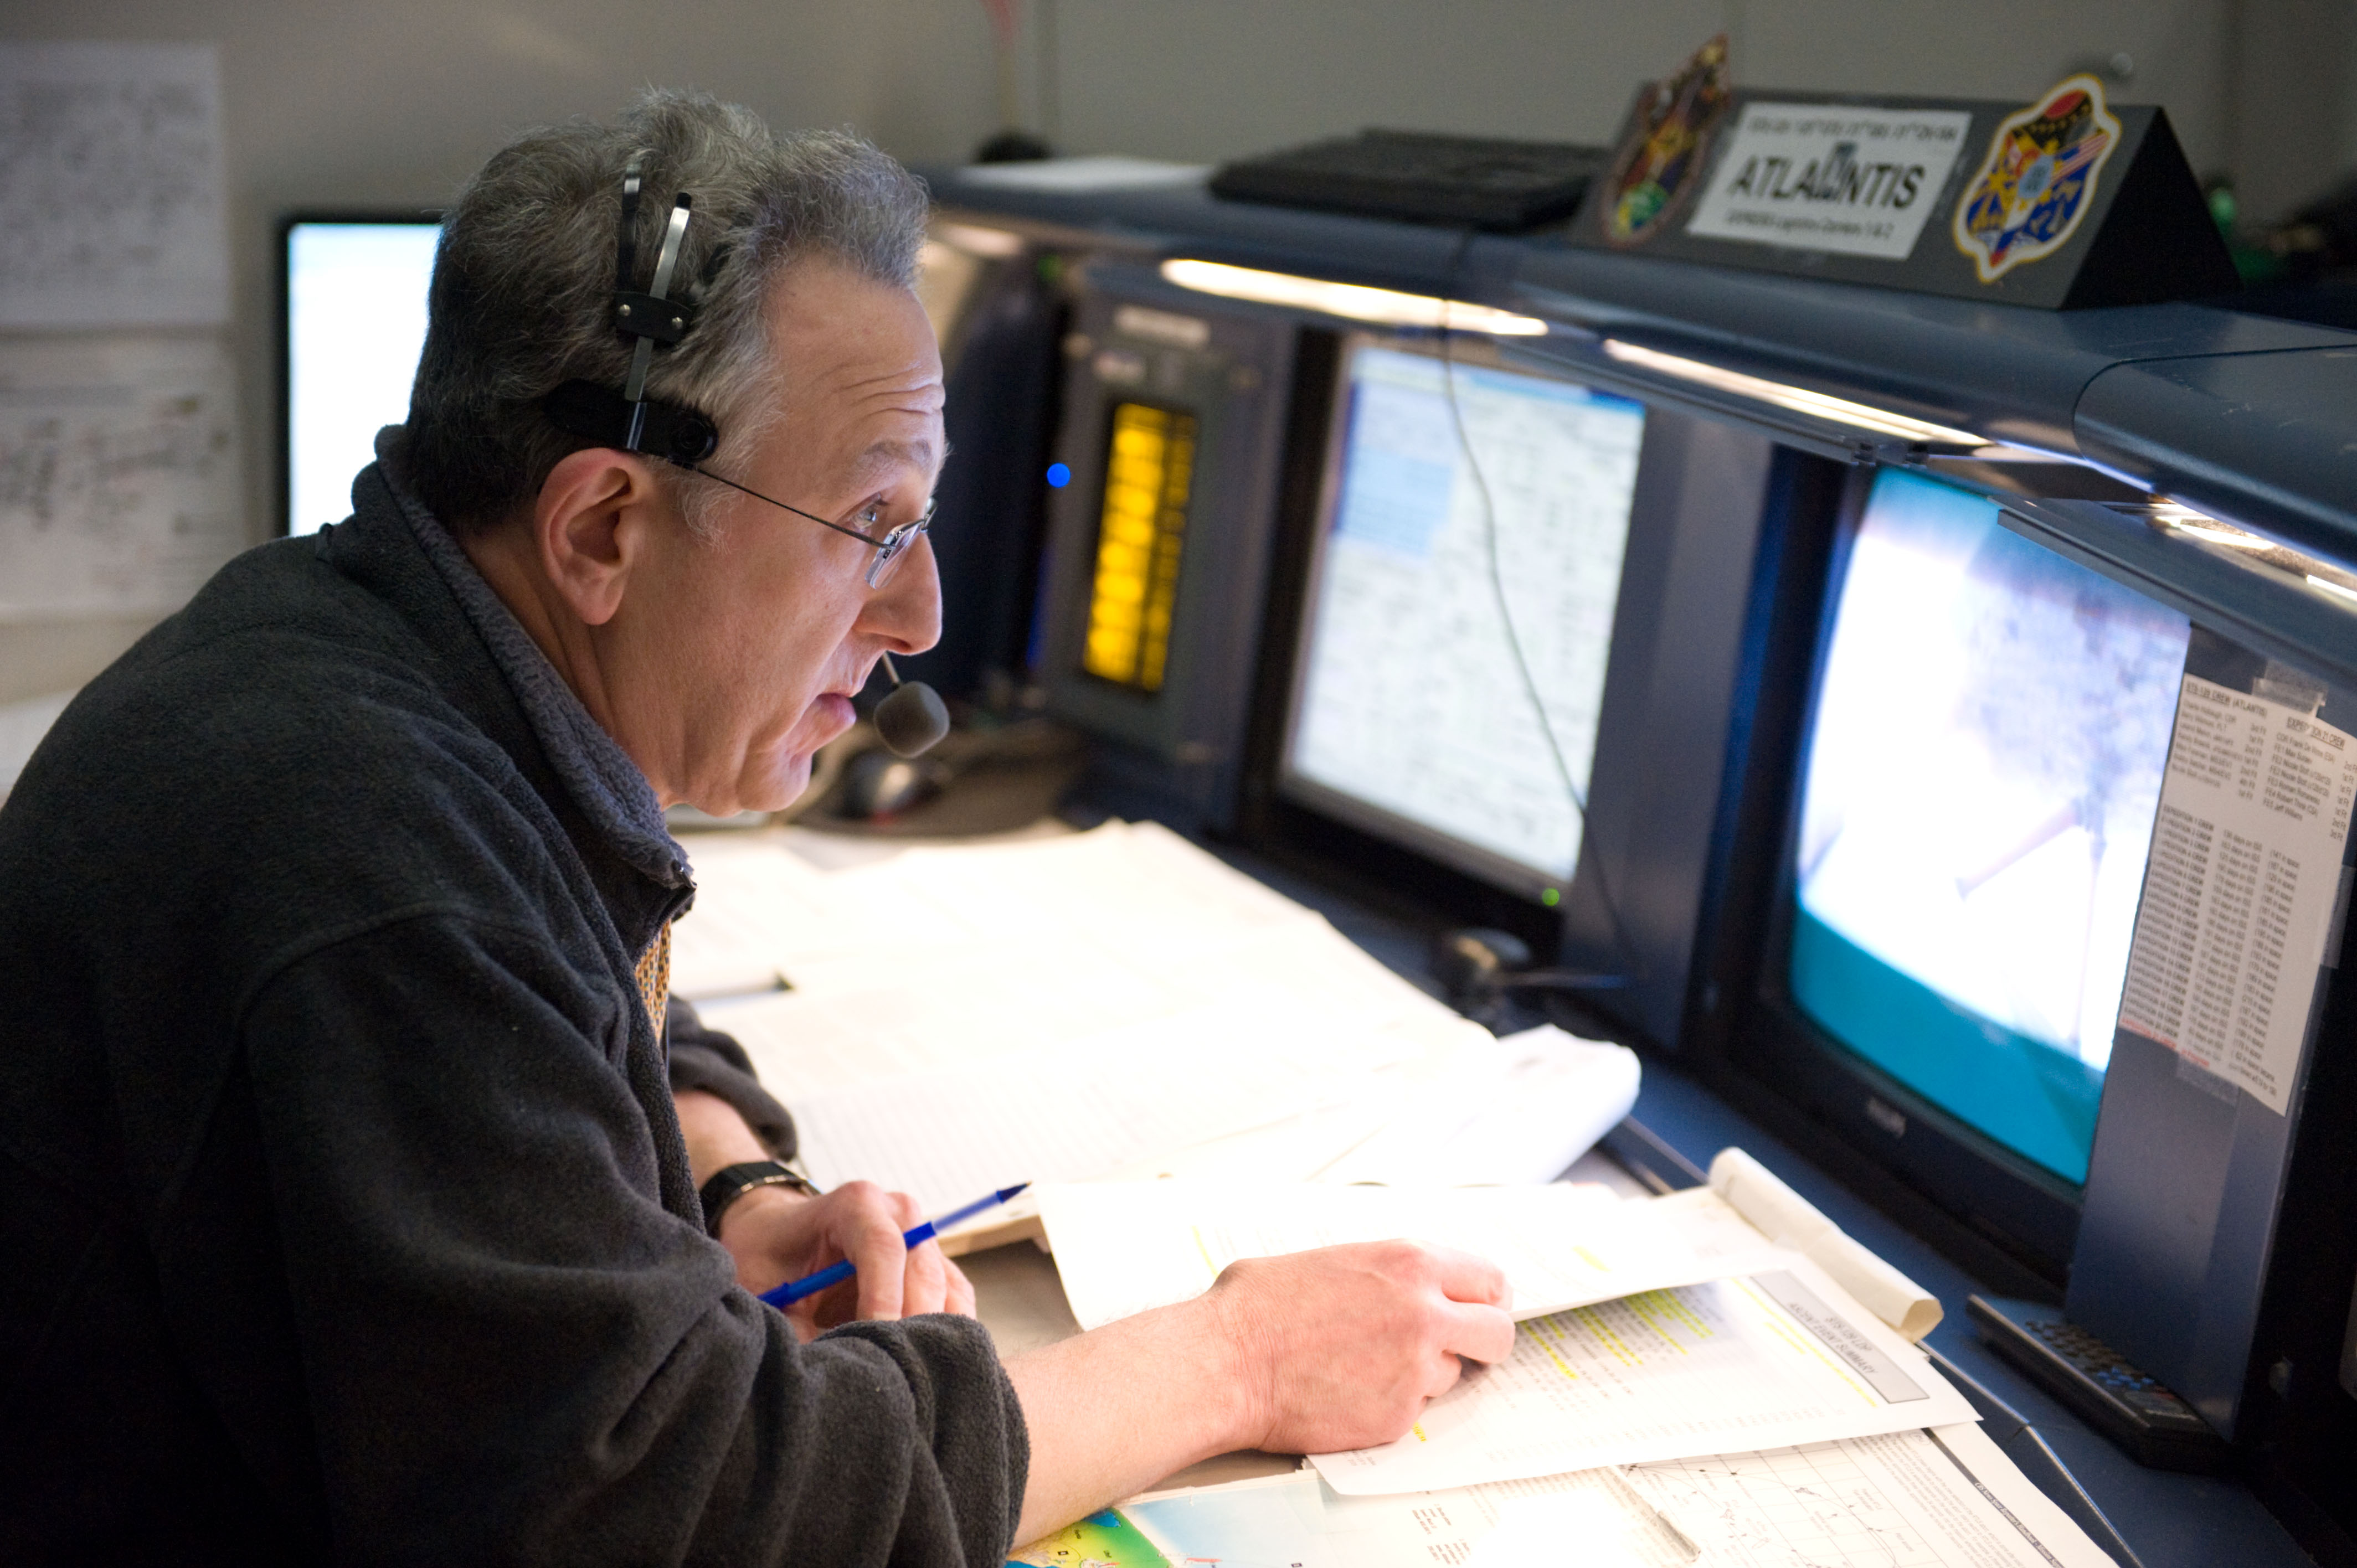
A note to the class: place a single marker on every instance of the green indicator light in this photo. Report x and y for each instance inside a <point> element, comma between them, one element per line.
<point>1550,897</point>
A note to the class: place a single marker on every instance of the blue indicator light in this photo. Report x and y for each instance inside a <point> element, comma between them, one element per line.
<point>1059,476</point>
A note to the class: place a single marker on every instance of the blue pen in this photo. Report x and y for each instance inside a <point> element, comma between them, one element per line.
<point>794,1290</point>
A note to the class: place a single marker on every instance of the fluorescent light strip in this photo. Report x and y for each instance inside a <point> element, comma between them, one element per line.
<point>980,241</point>
<point>1800,400</point>
<point>2233,538</point>
<point>1353,302</point>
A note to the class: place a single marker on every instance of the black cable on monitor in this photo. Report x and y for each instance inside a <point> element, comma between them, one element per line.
<point>1626,949</point>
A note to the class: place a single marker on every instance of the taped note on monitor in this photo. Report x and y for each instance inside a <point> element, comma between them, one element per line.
<point>2239,894</point>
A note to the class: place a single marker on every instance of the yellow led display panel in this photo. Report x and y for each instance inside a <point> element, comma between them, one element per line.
<point>1149,465</point>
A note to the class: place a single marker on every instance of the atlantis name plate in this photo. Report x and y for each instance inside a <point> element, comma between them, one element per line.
<point>1860,182</point>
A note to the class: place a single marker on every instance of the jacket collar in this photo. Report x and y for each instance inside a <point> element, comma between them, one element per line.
<point>604,783</point>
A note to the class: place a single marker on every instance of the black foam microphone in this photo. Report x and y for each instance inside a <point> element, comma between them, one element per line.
<point>912,718</point>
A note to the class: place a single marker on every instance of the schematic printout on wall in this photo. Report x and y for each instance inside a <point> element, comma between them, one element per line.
<point>111,176</point>
<point>2240,892</point>
<point>119,485</point>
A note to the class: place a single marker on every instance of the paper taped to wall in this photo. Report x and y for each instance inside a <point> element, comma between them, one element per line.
<point>119,476</point>
<point>112,181</point>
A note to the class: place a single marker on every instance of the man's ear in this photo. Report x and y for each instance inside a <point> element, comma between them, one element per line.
<point>590,526</point>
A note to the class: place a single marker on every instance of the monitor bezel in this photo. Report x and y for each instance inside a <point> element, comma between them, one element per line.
<point>1525,883</point>
<point>283,264</point>
<point>2027,1212</point>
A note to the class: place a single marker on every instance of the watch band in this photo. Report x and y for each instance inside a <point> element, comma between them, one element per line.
<point>734,1182</point>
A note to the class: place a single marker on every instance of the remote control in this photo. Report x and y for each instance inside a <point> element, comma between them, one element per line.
<point>2119,1400</point>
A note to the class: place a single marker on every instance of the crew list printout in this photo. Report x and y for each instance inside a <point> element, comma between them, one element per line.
<point>2240,891</point>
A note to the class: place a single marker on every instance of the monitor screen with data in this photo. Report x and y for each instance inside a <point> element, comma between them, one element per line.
<point>1983,770</point>
<point>1468,509</point>
<point>355,323</point>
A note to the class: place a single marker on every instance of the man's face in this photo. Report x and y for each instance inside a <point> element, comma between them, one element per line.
<point>743,651</point>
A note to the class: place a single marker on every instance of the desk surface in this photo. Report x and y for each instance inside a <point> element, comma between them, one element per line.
<point>2168,1520</point>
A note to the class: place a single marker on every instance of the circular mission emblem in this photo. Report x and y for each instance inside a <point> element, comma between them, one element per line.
<point>2037,179</point>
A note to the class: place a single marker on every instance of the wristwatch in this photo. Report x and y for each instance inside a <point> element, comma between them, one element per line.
<point>730,1184</point>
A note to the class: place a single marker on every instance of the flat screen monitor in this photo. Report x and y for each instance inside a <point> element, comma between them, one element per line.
<point>355,323</point>
<point>1468,511</point>
<point>1980,778</point>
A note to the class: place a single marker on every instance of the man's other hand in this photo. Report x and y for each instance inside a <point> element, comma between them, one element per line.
<point>1343,1347</point>
<point>775,1235</point>
<point>1307,1354</point>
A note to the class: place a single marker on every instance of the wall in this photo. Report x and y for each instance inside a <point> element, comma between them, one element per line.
<point>345,103</point>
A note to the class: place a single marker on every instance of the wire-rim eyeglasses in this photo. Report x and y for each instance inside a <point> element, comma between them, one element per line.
<point>888,549</point>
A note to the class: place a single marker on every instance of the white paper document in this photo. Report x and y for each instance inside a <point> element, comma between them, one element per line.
<point>119,478</point>
<point>1947,1498</point>
<point>2241,887</point>
<point>1517,1110</point>
<point>1942,1499</point>
<point>112,180</point>
<point>1079,1110</point>
<point>1778,1358</point>
<point>1124,1247</point>
<point>1134,893</point>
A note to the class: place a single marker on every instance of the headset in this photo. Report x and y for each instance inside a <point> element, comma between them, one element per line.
<point>913,717</point>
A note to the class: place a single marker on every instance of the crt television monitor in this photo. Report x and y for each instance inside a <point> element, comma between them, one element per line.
<point>355,320</point>
<point>1973,801</point>
<point>1450,680</point>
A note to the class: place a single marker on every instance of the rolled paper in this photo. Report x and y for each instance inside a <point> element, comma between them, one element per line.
<point>1788,1219</point>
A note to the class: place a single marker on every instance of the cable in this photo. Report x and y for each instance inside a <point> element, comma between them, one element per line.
<point>1505,613</point>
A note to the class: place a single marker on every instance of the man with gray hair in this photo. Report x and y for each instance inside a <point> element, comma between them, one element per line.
<point>363,1193</point>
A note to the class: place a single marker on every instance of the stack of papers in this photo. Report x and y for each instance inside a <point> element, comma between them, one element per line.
<point>1940,1499</point>
<point>1108,1004</point>
<point>1719,1377</point>
<point>1123,1248</point>
<point>1772,1359</point>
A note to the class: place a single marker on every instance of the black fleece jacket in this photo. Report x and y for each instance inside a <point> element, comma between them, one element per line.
<point>343,1212</point>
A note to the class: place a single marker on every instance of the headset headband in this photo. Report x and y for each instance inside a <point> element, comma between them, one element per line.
<point>632,421</point>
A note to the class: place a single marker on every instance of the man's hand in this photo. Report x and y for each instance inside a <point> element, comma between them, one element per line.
<point>1340,1349</point>
<point>775,1235</point>
<point>1312,1353</point>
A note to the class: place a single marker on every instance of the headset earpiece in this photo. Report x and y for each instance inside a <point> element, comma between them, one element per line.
<point>631,420</point>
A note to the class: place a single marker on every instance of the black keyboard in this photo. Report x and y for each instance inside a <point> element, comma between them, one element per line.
<point>1464,181</point>
<point>2123,1402</point>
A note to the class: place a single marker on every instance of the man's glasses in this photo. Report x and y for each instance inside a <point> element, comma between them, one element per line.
<point>889,546</point>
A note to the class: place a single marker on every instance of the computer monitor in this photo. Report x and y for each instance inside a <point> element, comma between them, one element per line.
<point>1449,685</point>
<point>1398,741</point>
<point>355,291</point>
<point>1981,769</point>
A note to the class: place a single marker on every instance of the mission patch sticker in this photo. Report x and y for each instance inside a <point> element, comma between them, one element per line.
<point>2038,180</point>
<point>1661,161</point>
<point>1856,181</point>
